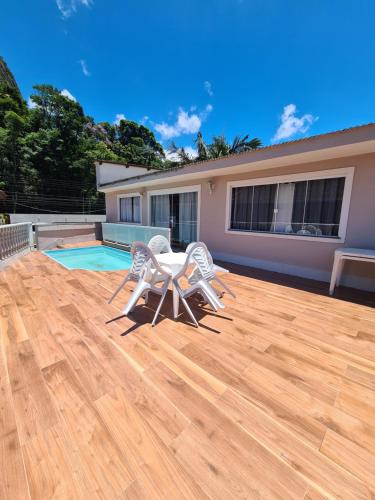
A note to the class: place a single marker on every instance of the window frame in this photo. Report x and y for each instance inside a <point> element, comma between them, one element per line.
<point>177,190</point>
<point>347,172</point>
<point>129,195</point>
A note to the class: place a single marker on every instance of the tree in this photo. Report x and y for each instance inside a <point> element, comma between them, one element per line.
<point>6,76</point>
<point>11,150</point>
<point>241,144</point>
<point>202,149</point>
<point>54,142</point>
<point>180,153</point>
<point>10,100</point>
<point>137,144</point>
<point>219,147</point>
<point>129,131</point>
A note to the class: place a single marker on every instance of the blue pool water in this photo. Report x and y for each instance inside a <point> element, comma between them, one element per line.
<point>99,258</point>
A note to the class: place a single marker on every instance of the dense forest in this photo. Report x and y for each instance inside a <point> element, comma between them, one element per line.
<point>48,148</point>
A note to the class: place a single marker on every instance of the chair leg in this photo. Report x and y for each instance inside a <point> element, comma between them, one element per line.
<point>135,296</point>
<point>122,284</point>
<point>226,288</point>
<point>211,296</point>
<point>176,301</point>
<point>165,290</point>
<point>184,301</point>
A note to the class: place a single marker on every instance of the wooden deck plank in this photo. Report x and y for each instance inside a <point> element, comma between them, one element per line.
<point>152,460</point>
<point>324,475</point>
<point>104,466</point>
<point>13,482</point>
<point>350,456</point>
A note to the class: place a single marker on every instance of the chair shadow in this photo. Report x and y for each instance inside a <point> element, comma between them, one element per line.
<point>143,314</point>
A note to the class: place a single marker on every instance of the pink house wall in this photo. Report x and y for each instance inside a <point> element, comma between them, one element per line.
<point>293,256</point>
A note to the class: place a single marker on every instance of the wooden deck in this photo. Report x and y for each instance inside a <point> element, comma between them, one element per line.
<point>272,398</point>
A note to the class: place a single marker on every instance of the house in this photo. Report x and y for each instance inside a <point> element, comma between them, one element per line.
<point>284,207</point>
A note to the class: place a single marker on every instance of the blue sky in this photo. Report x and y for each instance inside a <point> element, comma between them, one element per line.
<point>274,69</point>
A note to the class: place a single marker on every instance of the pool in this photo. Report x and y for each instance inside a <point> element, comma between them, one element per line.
<point>98,258</point>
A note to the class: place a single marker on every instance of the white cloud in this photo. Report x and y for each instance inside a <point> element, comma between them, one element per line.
<point>69,7</point>
<point>84,67</point>
<point>207,110</point>
<point>208,88</point>
<point>193,153</point>
<point>188,124</point>
<point>31,104</point>
<point>119,117</point>
<point>171,156</point>
<point>66,93</point>
<point>166,131</point>
<point>185,123</point>
<point>144,119</point>
<point>291,124</point>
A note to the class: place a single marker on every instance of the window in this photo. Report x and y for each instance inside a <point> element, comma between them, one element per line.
<point>307,207</point>
<point>130,209</point>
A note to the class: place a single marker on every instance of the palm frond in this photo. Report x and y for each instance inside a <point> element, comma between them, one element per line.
<point>201,147</point>
<point>219,147</point>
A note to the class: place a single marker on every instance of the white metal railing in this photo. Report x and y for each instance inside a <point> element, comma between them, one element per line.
<point>14,238</point>
<point>127,233</point>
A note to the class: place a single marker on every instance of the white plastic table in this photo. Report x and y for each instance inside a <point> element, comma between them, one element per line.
<point>174,261</point>
<point>342,254</point>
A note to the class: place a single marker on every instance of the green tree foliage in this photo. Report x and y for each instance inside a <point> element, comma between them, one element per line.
<point>10,100</point>
<point>6,76</point>
<point>219,147</point>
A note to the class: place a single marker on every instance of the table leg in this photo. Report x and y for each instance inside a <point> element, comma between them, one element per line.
<point>335,269</point>
<point>339,270</point>
<point>176,301</point>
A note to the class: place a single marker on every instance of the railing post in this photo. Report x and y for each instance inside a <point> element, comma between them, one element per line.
<point>31,236</point>
<point>37,236</point>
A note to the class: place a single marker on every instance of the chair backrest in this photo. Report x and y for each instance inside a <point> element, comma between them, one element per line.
<point>159,244</point>
<point>142,258</point>
<point>199,254</point>
<point>190,246</point>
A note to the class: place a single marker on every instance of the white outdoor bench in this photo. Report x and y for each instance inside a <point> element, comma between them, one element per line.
<point>342,254</point>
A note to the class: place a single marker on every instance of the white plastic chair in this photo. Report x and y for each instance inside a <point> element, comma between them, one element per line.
<point>199,255</point>
<point>159,244</point>
<point>141,271</point>
<point>149,274</point>
<point>196,275</point>
<point>134,272</point>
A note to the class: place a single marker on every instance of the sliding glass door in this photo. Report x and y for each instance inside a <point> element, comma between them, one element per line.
<point>179,212</point>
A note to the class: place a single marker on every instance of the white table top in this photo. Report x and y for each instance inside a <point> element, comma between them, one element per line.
<point>171,258</point>
<point>357,252</point>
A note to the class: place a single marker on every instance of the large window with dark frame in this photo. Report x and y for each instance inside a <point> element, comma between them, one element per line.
<point>304,208</point>
<point>130,209</point>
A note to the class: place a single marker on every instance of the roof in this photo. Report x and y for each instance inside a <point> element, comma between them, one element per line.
<point>126,165</point>
<point>345,137</point>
